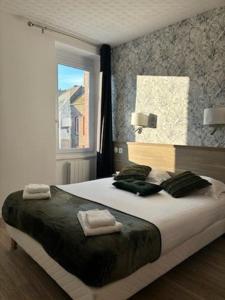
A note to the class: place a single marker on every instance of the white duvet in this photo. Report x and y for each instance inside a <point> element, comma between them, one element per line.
<point>177,219</point>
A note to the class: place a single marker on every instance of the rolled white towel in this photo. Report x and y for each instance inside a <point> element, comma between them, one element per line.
<point>88,231</point>
<point>98,218</point>
<point>36,196</point>
<point>34,188</point>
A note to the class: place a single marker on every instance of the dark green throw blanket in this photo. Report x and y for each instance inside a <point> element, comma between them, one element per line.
<point>96,260</point>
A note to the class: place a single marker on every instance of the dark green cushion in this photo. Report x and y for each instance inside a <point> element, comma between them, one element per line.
<point>184,184</point>
<point>139,187</point>
<point>138,172</point>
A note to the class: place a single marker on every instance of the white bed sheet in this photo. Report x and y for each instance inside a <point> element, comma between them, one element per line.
<point>177,219</point>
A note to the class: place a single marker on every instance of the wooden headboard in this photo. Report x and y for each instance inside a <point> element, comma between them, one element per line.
<point>206,161</point>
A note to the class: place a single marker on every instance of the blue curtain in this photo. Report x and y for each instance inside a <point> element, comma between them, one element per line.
<point>105,154</point>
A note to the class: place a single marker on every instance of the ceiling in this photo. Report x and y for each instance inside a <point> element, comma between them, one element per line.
<point>108,21</point>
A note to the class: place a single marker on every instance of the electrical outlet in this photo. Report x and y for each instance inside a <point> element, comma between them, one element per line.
<point>120,150</point>
<point>115,149</point>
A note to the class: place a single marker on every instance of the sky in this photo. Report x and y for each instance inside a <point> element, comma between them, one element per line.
<point>68,77</point>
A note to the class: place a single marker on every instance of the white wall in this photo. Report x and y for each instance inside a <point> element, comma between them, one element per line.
<point>27,95</point>
<point>27,105</point>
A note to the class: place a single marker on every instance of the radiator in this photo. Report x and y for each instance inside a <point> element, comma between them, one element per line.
<point>79,170</point>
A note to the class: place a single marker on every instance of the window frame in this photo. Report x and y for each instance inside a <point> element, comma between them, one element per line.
<point>77,61</point>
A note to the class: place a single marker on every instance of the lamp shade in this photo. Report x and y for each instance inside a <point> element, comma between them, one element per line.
<point>139,119</point>
<point>214,116</point>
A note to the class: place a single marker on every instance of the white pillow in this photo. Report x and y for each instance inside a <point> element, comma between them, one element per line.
<point>157,176</point>
<point>215,190</point>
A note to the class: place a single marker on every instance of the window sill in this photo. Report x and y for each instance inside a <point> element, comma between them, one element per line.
<point>74,155</point>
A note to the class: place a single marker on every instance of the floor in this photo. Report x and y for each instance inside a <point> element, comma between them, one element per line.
<point>200,277</point>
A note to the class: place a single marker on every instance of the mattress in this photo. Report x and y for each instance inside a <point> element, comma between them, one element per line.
<point>178,219</point>
<point>186,225</point>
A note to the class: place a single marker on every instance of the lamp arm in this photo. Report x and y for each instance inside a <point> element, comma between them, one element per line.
<point>139,129</point>
<point>214,130</point>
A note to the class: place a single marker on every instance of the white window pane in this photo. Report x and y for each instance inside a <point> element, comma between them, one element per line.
<point>73,108</point>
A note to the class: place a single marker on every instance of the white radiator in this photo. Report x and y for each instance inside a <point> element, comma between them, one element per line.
<point>79,170</point>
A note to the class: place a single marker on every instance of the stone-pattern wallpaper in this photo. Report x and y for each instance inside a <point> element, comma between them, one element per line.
<point>168,96</point>
<point>191,50</point>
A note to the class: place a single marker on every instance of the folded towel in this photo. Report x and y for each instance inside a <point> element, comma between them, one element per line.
<point>36,196</point>
<point>99,218</point>
<point>82,217</point>
<point>37,188</point>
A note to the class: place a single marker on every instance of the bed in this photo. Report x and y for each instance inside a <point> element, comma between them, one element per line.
<point>186,225</point>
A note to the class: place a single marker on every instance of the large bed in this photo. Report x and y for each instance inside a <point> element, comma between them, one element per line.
<point>185,224</point>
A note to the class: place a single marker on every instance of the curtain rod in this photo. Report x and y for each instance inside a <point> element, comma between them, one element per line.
<point>44,28</point>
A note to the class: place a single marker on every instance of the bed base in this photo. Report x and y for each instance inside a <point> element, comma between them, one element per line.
<point>126,287</point>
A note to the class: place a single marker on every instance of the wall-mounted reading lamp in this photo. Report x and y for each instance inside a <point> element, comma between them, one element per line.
<point>214,117</point>
<point>140,120</point>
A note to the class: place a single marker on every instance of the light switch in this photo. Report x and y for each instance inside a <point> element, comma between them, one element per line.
<point>120,150</point>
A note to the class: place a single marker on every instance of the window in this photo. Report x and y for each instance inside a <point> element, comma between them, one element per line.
<point>77,125</point>
<point>73,107</point>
